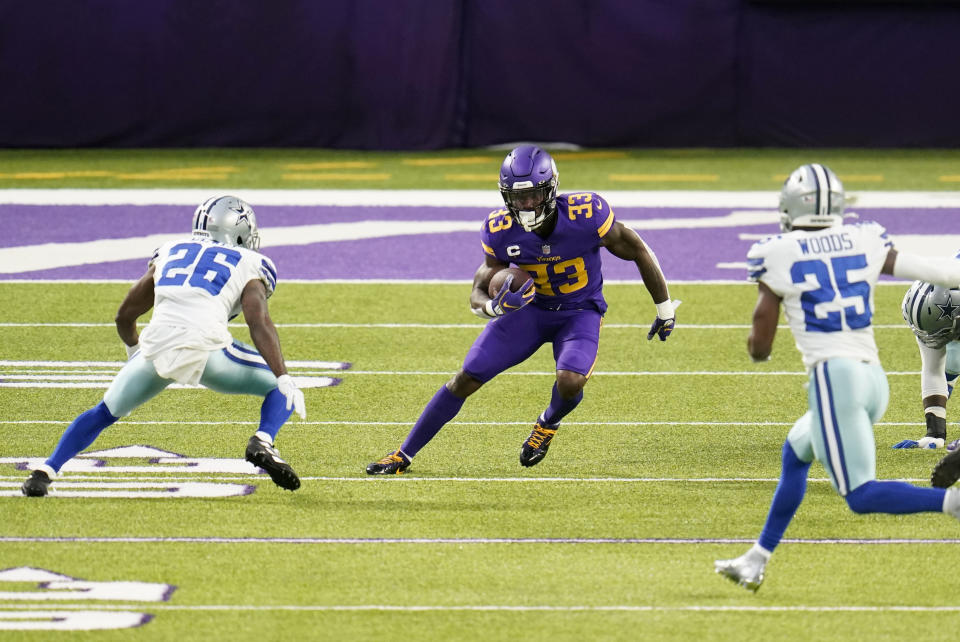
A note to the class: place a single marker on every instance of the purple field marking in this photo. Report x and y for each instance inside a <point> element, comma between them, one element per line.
<point>459,540</point>
<point>685,254</point>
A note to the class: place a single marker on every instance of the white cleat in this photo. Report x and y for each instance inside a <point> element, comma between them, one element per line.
<point>745,571</point>
<point>951,502</point>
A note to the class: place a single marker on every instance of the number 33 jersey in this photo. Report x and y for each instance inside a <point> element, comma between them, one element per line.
<point>565,266</point>
<point>826,279</point>
<point>197,289</point>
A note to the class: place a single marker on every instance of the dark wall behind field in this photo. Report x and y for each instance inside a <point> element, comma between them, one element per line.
<point>428,74</point>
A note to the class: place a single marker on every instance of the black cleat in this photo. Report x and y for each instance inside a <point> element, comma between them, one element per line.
<point>264,455</point>
<point>535,447</point>
<point>947,471</point>
<point>393,464</point>
<point>36,485</point>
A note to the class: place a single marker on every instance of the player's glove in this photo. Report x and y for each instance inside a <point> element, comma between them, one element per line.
<point>506,301</point>
<point>294,395</point>
<point>926,442</point>
<point>665,322</point>
<point>936,433</point>
<point>131,350</point>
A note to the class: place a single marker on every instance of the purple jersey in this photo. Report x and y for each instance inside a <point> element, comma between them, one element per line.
<point>565,266</point>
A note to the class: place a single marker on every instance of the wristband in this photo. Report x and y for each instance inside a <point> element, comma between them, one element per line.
<point>665,309</point>
<point>485,311</point>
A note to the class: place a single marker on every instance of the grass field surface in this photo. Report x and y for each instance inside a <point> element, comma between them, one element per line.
<point>668,463</point>
<point>597,169</point>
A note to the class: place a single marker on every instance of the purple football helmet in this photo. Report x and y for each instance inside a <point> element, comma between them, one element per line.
<point>528,184</point>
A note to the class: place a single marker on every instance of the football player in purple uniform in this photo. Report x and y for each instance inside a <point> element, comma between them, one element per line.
<point>557,239</point>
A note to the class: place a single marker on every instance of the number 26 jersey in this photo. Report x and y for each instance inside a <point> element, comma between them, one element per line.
<point>826,279</point>
<point>197,288</point>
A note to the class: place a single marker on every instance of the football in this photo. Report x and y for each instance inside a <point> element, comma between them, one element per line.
<point>519,278</point>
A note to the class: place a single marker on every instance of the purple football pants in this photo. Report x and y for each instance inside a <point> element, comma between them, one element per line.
<point>513,338</point>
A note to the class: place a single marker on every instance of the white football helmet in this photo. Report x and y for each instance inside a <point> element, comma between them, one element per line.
<point>228,220</point>
<point>812,196</point>
<point>932,312</point>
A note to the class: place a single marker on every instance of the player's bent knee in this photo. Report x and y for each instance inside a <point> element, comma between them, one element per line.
<point>865,498</point>
<point>463,385</point>
<point>570,383</point>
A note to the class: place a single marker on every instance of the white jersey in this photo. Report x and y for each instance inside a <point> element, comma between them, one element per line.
<point>826,279</point>
<point>197,289</point>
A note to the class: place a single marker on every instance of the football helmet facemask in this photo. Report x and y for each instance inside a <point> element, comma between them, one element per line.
<point>932,312</point>
<point>528,184</point>
<point>228,220</point>
<point>812,196</point>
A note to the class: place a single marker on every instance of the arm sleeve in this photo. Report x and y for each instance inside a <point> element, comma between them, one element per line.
<point>268,274</point>
<point>495,219</point>
<point>941,270</point>
<point>603,214</point>
<point>933,362</point>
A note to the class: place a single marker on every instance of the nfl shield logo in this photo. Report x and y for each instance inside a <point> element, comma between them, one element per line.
<point>545,249</point>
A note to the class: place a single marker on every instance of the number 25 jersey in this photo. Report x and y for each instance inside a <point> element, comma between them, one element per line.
<point>826,279</point>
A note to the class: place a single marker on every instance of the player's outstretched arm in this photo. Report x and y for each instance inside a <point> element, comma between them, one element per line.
<point>626,244</point>
<point>264,334</point>
<point>138,302</point>
<point>941,270</point>
<point>253,300</point>
<point>766,314</point>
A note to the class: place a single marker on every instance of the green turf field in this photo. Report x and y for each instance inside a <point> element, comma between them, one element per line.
<point>668,463</point>
<point>599,169</point>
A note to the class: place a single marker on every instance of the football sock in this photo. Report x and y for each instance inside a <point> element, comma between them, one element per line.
<point>894,497</point>
<point>936,418</point>
<point>442,408</point>
<point>786,500</point>
<point>951,380</point>
<point>273,413</point>
<point>80,434</point>
<point>559,407</point>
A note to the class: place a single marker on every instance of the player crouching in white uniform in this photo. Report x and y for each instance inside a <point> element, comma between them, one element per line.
<point>824,273</point>
<point>195,286</point>
<point>932,311</point>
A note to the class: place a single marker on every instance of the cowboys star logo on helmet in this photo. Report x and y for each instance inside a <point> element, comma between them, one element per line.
<point>228,220</point>
<point>812,196</point>
<point>932,312</point>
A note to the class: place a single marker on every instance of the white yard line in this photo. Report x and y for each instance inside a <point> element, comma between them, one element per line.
<point>431,326</point>
<point>363,422</point>
<point>764,199</point>
<point>362,541</point>
<point>104,476</point>
<point>51,610</point>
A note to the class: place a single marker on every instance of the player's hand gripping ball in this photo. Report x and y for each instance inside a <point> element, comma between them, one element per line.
<point>510,289</point>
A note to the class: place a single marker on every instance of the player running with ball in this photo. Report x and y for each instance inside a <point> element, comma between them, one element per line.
<point>557,240</point>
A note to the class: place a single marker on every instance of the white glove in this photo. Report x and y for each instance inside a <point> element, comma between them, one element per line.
<point>131,350</point>
<point>930,442</point>
<point>294,395</point>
